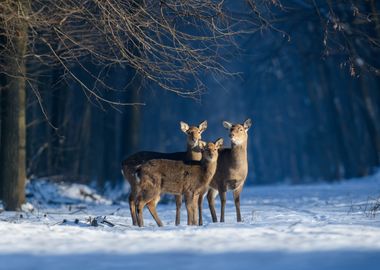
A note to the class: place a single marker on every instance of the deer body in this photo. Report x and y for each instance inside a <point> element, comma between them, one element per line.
<point>178,177</point>
<point>231,172</point>
<point>130,164</point>
<point>233,169</point>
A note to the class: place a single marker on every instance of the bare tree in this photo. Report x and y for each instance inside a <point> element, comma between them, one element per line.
<point>12,156</point>
<point>352,30</point>
<point>335,134</point>
<point>168,44</point>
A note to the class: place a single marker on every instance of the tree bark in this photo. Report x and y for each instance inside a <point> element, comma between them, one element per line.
<point>132,120</point>
<point>12,154</point>
<point>2,85</point>
<point>372,119</point>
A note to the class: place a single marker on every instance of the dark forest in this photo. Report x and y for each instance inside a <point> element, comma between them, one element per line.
<point>79,94</point>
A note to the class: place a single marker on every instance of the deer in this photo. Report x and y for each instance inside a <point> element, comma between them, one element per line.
<point>231,172</point>
<point>193,152</point>
<point>179,177</point>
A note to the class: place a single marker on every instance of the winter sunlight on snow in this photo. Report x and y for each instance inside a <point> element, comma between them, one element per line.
<point>320,226</point>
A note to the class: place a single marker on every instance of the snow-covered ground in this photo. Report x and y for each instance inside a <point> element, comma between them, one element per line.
<point>284,227</point>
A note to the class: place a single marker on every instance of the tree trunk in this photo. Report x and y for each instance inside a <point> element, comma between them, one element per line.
<point>2,85</point>
<point>372,119</point>
<point>12,154</point>
<point>132,120</point>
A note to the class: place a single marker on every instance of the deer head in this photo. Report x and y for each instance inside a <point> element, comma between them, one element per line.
<point>210,150</point>
<point>238,132</point>
<point>194,134</point>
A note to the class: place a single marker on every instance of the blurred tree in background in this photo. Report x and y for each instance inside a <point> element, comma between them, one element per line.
<point>311,88</point>
<point>317,98</point>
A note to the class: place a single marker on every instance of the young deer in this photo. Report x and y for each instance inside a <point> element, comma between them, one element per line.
<point>231,172</point>
<point>193,152</point>
<point>178,177</point>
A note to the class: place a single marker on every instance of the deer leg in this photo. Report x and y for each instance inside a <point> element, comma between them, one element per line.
<point>140,206</point>
<point>152,209</point>
<point>132,207</point>
<point>222,195</point>
<point>211,203</point>
<point>200,206</point>
<point>188,202</point>
<point>237,204</point>
<point>194,204</point>
<point>178,202</point>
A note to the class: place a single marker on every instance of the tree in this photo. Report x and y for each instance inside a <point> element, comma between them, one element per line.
<point>12,156</point>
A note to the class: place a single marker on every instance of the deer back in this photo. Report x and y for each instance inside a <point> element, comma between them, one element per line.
<point>170,176</point>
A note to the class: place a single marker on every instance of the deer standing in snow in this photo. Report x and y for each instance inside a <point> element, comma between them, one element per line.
<point>193,152</point>
<point>190,178</point>
<point>231,173</point>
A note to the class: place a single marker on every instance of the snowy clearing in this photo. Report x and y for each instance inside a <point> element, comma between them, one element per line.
<point>284,227</point>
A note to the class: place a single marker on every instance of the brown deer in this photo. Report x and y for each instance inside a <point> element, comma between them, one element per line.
<point>178,177</point>
<point>231,172</point>
<point>193,152</point>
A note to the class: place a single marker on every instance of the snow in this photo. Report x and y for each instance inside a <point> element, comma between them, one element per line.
<point>320,226</point>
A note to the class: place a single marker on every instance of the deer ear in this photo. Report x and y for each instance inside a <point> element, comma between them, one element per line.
<point>201,144</point>
<point>219,142</point>
<point>184,126</point>
<point>247,124</point>
<point>227,125</point>
<point>203,126</point>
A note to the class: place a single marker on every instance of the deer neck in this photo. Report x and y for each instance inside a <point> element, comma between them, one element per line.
<point>193,153</point>
<point>239,152</point>
<point>209,169</point>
